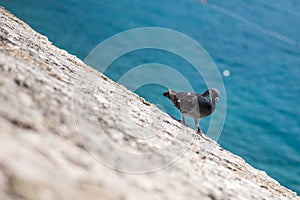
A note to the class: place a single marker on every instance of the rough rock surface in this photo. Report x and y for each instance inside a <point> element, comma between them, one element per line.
<point>43,157</point>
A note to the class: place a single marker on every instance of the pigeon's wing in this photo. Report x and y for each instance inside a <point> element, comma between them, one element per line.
<point>186,102</point>
<point>205,105</point>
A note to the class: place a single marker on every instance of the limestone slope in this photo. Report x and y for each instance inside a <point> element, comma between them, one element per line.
<point>45,92</point>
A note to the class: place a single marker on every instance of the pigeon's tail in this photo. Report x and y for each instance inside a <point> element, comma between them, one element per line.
<point>170,94</point>
<point>166,94</point>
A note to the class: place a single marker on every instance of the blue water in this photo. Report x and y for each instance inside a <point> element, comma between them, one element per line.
<point>257,41</point>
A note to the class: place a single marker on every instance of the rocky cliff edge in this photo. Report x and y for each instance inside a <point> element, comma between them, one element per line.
<point>69,132</point>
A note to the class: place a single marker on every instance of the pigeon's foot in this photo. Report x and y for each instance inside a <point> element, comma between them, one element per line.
<point>199,131</point>
<point>182,119</point>
<point>183,122</point>
<point>179,120</point>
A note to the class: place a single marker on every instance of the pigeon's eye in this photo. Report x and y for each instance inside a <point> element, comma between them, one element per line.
<point>217,99</point>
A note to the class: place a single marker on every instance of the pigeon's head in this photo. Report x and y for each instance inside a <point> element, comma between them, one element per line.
<point>170,94</point>
<point>215,94</point>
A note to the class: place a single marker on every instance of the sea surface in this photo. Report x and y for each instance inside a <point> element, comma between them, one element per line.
<point>255,45</point>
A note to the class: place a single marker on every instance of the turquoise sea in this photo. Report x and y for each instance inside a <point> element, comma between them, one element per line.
<point>258,42</point>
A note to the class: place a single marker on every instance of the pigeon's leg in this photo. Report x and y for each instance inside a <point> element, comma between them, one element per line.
<point>182,119</point>
<point>199,131</point>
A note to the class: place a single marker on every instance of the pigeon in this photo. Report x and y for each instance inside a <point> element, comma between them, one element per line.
<point>194,105</point>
